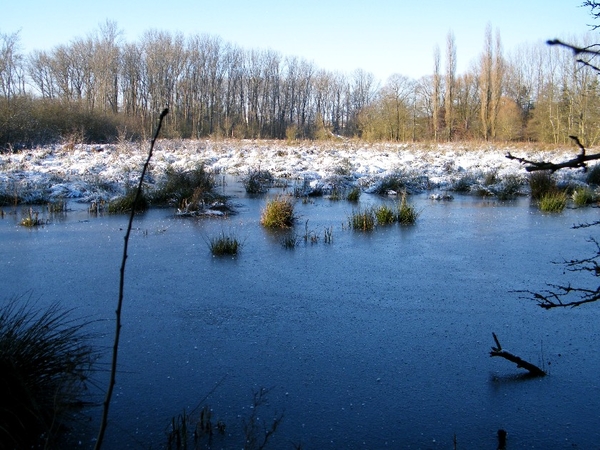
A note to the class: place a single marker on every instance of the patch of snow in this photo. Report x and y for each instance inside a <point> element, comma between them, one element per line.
<point>92,172</point>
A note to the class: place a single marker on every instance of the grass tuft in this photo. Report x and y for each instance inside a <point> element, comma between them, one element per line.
<point>463,184</point>
<point>354,194</point>
<point>363,220</point>
<point>541,183</point>
<point>393,182</point>
<point>407,214</point>
<point>385,215</point>
<point>508,188</point>
<point>553,202</point>
<point>44,365</point>
<point>278,213</point>
<point>194,185</point>
<point>124,204</point>
<point>257,181</point>
<point>224,245</point>
<point>583,196</point>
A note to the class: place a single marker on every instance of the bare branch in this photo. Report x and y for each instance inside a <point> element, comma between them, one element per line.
<point>580,161</point>
<point>589,50</point>
<point>594,6</point>
<point>113,370</point>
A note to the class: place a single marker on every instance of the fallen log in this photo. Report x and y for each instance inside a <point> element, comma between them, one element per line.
<point>521,363</point>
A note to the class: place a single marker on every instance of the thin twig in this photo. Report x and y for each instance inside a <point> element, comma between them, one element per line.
<point>113,369</point>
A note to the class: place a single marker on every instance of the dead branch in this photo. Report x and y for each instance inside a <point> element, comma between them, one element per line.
<point>113,366</point>
<point>554,298</point>
<point>590,51</point>
<point>578,162</point>
<point>521,363</point>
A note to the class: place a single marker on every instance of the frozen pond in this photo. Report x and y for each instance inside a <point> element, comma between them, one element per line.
<point>376,340</point>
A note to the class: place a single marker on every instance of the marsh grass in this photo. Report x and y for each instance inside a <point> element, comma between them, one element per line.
<point>290,241</point>
<point>362,220</point>
<point>224,244</point>
<point>57,207</point>
<point>508,188</point>
<point>491,178</point>
<point>196,185</point>
<point>188,432</point>
<point>31,219</point>
<point>328,235</point>
<point>541,183</point>
<point>553,202</point>
<point>44,365</point>
<point>257,181</point>
<point>463,184</point>
<point>337,193</point>
<point>407,213</point>
<point>593,175</point>
<point>310,235</point>
<point>583,196</point>
<point>394,182</point>
<point>353,194</point>
<point>278,213</point>
<point>385,215</point>
<point>125,203</point>
<point>191,430</point>
<point>11,196</point>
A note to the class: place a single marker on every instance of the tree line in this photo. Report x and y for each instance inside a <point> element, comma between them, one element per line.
<point>102,86</point>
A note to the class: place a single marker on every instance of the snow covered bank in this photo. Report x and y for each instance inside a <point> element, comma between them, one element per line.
<point>92,172</point>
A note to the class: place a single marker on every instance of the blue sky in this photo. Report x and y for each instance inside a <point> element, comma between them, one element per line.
<point>379,36</point>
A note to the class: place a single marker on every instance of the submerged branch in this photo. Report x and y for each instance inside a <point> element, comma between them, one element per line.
<point>521,363</point>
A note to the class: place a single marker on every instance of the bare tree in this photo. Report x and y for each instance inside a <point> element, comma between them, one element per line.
<point>397,97</point>
<point>450,85</point>
<point>467,104</point>
<point>11,66</point>
<point>105,62</point>
<point>436,93</point>
<point>41,75</point>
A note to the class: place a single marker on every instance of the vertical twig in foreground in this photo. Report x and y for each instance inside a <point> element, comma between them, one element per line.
<point>113,367</point>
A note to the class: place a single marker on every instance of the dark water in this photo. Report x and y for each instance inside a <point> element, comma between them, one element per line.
<point>375,340</point>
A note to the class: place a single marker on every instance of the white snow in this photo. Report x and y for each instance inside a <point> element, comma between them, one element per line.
<point>91,172</point>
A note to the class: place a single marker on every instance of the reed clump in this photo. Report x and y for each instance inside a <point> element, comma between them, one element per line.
<point>224,245</point>
<point>278,213</point>
<point>257,181</point>
<point>385,215</point>
<point>353,194</point>
<point>363,220</point>
<point>553,202</point>
<point>541,183</point>
<point>583,196</point>
<point>407,213</point>
<point>195,185</point>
